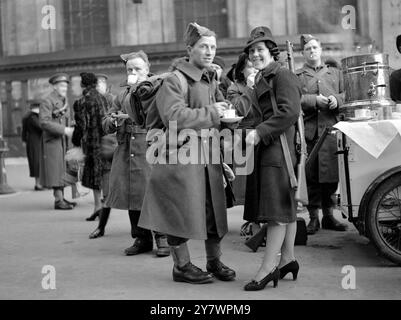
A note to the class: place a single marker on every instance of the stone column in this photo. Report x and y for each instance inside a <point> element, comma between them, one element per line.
<point>152,21</point>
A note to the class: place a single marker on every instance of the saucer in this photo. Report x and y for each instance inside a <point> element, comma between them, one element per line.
<point>361,119</point>
<point>231,120</point>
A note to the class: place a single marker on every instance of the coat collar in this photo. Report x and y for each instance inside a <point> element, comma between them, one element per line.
<point>263,78</point>
<point>312,70</point>
<point>193,72</point>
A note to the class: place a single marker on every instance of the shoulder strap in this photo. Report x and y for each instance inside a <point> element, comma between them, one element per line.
<point>284,142</point>
<point>183,81</point>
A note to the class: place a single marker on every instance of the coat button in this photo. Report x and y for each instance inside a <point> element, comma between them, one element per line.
<point>132,155</point>
<point>133,138</point>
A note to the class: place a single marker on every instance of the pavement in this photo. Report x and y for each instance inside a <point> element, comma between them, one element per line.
<point>33,235</point>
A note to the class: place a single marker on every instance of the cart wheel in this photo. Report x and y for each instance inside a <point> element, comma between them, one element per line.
<point>383,218</point>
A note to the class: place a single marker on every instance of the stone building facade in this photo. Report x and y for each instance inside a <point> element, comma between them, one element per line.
<point>90,35</point>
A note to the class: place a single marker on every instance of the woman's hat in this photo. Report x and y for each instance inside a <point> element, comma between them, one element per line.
<point>259,34</point>
<point>399,43</point>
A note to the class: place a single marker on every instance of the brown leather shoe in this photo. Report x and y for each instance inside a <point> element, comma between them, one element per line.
<point>163,249</point>
<point>313,226</point>
<point>62,205</point>
<point>331,223</point>
<point>139,246</point>
<point>191,274</point>
<point>220,270</point>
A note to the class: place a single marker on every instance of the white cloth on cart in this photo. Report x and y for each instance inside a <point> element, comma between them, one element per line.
<point>372,136</point>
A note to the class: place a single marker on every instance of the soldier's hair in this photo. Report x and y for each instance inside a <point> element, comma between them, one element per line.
<point>140,54</point>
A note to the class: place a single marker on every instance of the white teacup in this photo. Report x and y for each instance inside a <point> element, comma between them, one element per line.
<point>362,113</point>
<point>230,113</point>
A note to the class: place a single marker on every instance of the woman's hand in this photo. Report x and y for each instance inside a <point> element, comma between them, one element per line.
<point>253,138</point>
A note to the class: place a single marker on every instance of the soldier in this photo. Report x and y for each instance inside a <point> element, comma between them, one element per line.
<point>130,170</point>
<point>52,115</point>
<point>323,94</point>
<point>395,78</point>
<point>187,201</point>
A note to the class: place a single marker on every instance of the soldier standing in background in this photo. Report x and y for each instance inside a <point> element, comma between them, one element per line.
<point>52,113</point>
<point>129,170</point>
<point>323,94</point>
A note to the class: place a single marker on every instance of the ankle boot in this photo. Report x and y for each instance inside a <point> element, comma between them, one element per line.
<point>103,218</point>
<point>331,223</point>
<point>314,224</point>
<point>184,270</point>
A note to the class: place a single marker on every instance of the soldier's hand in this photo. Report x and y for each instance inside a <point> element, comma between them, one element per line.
<point>253,138</point>
<point>333,103</point>
<point>322,102</point>
<point>220,107</point>
<point>68,131</point>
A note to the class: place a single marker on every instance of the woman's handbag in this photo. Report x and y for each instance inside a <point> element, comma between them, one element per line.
<point>108,146</point>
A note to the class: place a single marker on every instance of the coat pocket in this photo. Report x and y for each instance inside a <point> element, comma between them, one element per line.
<point>271,155</point>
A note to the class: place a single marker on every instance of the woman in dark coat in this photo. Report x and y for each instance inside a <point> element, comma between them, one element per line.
<point>269,196</point>
<point>32,135</point>
<point>88,112</point>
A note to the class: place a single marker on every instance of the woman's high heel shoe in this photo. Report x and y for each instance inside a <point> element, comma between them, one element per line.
<point>260,285</point>
<point>94,215</point>
<point>292,267</point>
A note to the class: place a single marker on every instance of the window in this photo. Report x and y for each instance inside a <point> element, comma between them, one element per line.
<point>323,16</point>
<point>86,23</point>
<point>208,13</point>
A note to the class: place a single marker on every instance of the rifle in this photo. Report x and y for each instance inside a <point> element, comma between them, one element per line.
<point>301,193</point>
<point>255,242</point>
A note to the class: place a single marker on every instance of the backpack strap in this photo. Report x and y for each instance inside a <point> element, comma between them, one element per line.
<point>184,83</point>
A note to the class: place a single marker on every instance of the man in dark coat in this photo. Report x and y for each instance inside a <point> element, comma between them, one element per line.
<point>130,171</point>
<point>52,116</point>
<point>323,94</point>
<point>187,201</point>
<point>395,78</point>
<point>31,136</point>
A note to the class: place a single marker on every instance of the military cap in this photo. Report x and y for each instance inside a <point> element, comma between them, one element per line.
<point>101,75</point>
<point>399,43</point>
<point>59,77</point>
<point>259,34</point>
<point>219,61</point>
<point>138,54</point>
<point>194,32</point>
<point>305,38</point>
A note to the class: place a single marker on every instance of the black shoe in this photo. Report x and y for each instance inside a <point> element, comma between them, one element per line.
<point>220,271</point>
<point>330,223</point>
<point>191,274</point>
<point>97,233</point>
<point>163,249</point>
<point>260,285</point>
<point>94,215</point>
<point>62,205</point>
<point>313,226</point>
<point>139,246</point>
<point>292,267</point>
<point>74,204</point>
<point>37,188</point>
